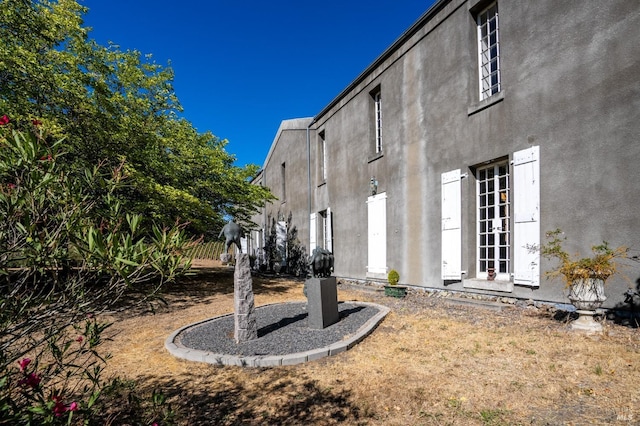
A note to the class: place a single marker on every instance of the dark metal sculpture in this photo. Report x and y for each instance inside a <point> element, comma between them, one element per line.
<point>321,262</point>
<point>232,233</point>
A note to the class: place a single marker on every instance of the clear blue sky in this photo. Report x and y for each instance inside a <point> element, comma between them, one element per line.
<point>241,67</point>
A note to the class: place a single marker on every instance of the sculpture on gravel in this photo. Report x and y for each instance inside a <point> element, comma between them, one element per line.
<point>321,263</point>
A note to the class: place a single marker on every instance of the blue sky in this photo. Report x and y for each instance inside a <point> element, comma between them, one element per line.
<point>241,67</point>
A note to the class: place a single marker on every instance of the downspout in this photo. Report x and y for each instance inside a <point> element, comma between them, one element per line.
<point>309,176</point>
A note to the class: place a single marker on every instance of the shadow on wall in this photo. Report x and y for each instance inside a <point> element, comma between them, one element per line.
<point>628,312</point>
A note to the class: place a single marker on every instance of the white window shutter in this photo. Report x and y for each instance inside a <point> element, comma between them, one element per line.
<point>451,226</point>
<point>312,232</point>
<point>526,216</point>
<point>281,239</point>
<point>328,234</point>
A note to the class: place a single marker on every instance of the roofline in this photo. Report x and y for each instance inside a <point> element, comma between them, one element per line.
<point>426,16</point>
<point>291,124</point>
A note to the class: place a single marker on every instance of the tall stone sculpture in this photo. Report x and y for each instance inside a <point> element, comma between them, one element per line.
<point>245,327</point>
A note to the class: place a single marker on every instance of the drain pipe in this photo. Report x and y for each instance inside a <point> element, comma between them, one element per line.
<point>309,176</point>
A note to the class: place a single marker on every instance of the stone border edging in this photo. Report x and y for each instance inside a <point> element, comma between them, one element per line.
<point>180,351</point>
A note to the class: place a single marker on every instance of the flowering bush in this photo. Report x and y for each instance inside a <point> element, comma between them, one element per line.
<point>67,253</point>
<point>44,390</point>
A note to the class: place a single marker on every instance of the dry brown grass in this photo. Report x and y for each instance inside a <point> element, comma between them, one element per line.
<point>429,363</point>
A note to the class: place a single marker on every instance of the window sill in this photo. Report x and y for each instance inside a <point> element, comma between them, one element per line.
<point>375,156</point>
<point>484,104</point>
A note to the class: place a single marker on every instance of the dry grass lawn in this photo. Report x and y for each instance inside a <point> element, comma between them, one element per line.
<point>429,362</point>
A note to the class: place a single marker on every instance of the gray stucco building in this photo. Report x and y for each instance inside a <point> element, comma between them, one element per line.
<point>483,126</point>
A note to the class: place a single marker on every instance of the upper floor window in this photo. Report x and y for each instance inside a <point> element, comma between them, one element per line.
<point>322,157</point>
<point>283,176</point>
<point>489,51</point>
<point>377,110</point>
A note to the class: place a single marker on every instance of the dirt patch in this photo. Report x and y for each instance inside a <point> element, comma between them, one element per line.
<point>430,362</point>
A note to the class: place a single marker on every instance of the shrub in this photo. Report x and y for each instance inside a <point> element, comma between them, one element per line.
<point>67,253</point>
<point>602,264</point>
<point>393,277</point>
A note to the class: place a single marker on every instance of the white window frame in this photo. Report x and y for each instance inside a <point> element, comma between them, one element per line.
<point>488,51</point>
<point>283,176</point>
<point>327,229</point>
<point>497,227</point>
<point>377,105</point>
<point>322,157</point>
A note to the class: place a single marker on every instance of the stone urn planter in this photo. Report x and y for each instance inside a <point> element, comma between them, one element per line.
<point>587,295</point>
<point>584,276</point>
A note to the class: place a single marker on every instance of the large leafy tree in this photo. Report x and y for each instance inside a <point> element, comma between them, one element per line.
<point>118,105</point>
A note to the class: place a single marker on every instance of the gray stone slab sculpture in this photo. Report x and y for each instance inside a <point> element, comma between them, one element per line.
<point>245,328</point>
<point>322,302</point>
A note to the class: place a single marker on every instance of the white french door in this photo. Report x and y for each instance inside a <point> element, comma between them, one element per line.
<point>493,218</point>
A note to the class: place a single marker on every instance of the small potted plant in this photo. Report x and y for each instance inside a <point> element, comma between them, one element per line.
<point>393,289</point>
<point>584,276</point>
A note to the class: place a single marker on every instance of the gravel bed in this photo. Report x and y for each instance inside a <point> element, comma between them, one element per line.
<point>282,329</point>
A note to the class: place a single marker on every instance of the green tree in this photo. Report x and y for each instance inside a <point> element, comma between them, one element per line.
<point>118,105</point>
<point>66,255</point>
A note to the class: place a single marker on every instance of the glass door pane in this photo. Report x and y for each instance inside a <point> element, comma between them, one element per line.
<point>494,237</point>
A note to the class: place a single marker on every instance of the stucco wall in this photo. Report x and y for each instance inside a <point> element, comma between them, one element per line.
<point>569,85</point>
<point>289,148</point>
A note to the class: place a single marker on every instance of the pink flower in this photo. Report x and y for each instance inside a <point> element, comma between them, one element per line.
<point>58,408</point>
<point>32,380</point>
<point>79,339</point>
<point>73,406</point>
<point>4,120</point>
<point>26,361</point>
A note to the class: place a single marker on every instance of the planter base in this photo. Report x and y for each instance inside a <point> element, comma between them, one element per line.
<point>395,290</point>
<point>585,322</point>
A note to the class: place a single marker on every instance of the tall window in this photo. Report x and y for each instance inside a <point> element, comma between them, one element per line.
<point>494,236</point>
<point>283,176</point>
<point>322,157</point>
<point>327,230</point>
<point>377,107</point>
<point>489,51</point>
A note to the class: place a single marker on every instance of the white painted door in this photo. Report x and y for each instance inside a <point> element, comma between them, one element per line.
<point>377,234</point>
